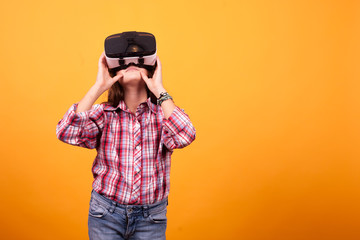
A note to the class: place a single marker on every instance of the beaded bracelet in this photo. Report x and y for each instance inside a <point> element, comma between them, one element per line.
<point>163,97</point>
<point>163,94</point>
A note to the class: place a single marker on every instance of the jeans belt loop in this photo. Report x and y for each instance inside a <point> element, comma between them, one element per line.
<point>146,211</point>
<point>112,207</point>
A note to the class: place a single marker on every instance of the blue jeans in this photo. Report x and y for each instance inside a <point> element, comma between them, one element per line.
<point>109,220</point>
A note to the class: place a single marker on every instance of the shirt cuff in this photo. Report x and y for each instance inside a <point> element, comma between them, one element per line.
<point>176,122</point>
<point>76,119</point>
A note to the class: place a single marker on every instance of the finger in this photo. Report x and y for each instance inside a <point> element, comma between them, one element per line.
<point>102,61</point>
<point>158,63</point>
<point>144,77</point>
<point>101,58</point>
<point>158,67</point>
<point>118,77</point>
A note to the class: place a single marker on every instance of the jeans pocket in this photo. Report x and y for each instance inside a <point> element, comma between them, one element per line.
<point>159,217</point>
<point>96,209</point>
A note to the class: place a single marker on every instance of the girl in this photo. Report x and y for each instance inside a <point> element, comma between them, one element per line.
<point>134,138</point>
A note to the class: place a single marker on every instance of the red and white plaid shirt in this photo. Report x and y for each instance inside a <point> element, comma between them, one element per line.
<point>111,131</point>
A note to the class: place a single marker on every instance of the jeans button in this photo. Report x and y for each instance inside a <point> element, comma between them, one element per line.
<point>130,210</point>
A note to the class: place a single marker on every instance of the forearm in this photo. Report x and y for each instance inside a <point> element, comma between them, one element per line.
<point>167,106</point>
<point>89,99</point>
<point>78,129</point>
<point>178,130</point>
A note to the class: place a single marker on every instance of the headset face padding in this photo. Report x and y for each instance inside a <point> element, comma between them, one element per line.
<point>124,48</point>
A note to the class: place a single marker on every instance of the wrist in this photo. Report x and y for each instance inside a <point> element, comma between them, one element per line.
<point>100,87</point>
<point>97,89</point>
<point>159,90</point>
<point>164,96</point>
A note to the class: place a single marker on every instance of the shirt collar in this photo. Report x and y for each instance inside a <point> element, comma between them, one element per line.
<point>122,106</point>
<point>153,107</point>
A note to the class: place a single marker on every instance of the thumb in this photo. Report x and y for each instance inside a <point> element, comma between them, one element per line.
<point>117,77</point>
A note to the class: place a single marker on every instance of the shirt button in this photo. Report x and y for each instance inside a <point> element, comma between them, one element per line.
<point>137,147</point>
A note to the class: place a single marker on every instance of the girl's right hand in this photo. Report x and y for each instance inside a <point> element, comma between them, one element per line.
<point>104,81</point>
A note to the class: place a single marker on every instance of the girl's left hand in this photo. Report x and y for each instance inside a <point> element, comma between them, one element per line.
<point>155,83</point>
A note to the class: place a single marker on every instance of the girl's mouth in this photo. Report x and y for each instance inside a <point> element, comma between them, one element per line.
<point>131,68</point>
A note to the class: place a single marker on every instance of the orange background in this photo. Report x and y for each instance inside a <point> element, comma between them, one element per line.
<point>272,88</point>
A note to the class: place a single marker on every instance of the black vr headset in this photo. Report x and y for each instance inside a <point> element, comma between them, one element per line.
<point>130,48</point>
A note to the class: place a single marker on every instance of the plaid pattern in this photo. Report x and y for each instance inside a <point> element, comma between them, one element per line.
<point>121,138</point>
<point>135,195</point>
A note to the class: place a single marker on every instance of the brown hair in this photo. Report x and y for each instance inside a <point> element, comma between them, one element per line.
<point>116,91</point>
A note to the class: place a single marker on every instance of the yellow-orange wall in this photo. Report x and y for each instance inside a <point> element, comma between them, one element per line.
<point>272,88</point>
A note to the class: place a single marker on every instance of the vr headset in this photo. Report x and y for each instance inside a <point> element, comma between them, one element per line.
<point>130,48</point>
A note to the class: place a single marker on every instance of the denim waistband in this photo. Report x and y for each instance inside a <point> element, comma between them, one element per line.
<point>113,206</point>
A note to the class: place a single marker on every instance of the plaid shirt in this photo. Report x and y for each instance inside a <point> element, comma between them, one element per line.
<point>111,131</point>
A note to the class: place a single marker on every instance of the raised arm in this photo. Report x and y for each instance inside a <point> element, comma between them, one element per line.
<point>103,82</point>
<point>83,122</point>
<point>155,85</point>
<point>178,130</point>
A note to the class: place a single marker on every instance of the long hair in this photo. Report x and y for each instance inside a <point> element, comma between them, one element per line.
<point>116,91</point>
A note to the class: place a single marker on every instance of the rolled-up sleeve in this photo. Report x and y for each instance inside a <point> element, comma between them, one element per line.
<point>178,130</point>
<point>82,128</point>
